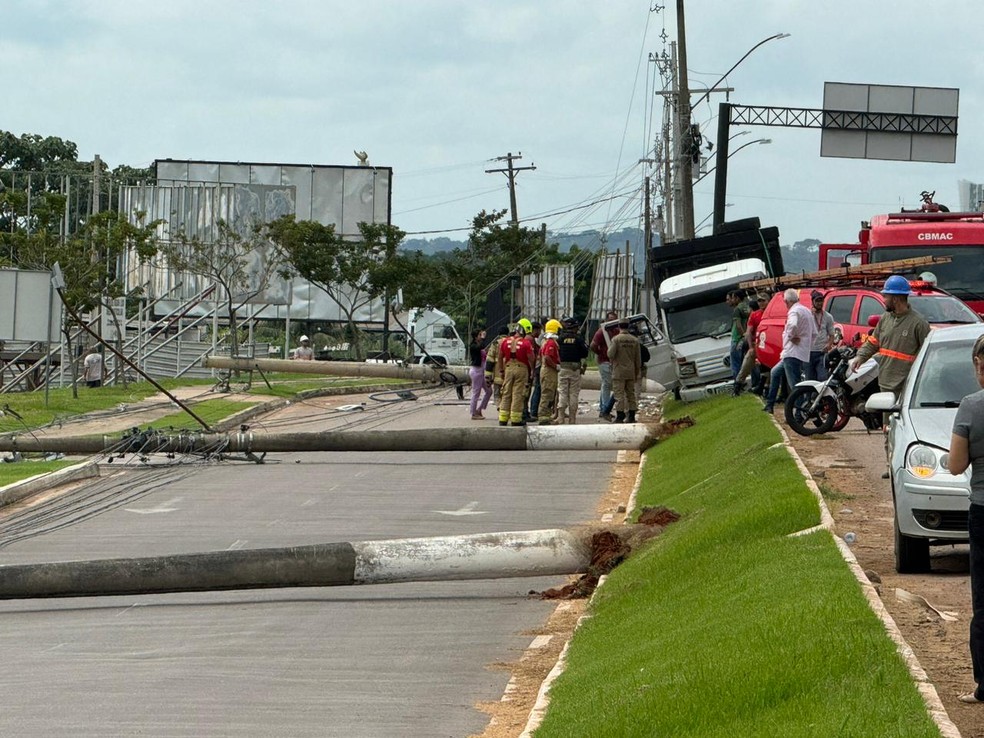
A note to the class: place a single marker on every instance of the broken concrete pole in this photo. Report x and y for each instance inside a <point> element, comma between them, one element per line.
<point>449,558</point>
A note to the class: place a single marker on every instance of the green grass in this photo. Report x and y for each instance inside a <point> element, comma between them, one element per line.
<point>724,625</point>
<point>10,473</point>
<point>61,404</point>
<point>211,411</point>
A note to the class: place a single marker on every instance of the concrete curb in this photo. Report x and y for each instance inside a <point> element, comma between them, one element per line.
<point>926,688</point>
<point>17,491</point>
<point>542,703</point>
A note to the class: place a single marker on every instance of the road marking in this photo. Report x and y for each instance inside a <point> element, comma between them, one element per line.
<point>236,545</point>
<point>164,507</point>
<point>468,509</point>
<point>121,612</point>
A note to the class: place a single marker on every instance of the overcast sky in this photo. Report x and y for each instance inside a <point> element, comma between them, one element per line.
<point>436,89</point>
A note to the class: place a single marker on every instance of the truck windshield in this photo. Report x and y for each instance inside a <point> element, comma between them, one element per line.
<point>940,308</point>
<point>964,276</point>
<point>699,319</point>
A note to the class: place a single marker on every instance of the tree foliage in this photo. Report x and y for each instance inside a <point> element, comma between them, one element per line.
<point>352,272</point>
<point>239,264</point>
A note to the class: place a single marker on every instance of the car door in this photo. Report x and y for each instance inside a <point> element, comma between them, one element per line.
<point>662,365</point>
<point>842,306</point>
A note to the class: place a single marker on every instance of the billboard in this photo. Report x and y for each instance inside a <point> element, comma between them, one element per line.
<point>850,111</point>
<point>30,309</point>
<point>193,196</point>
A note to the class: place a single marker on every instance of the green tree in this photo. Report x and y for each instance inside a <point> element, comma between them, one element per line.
<point>352,272</point>
<point>240,265</point>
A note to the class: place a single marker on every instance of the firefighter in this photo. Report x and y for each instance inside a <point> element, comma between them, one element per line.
<point>549,368</point>
<point>896,339</point>
<point>573,353</point>
<point>516,356</point>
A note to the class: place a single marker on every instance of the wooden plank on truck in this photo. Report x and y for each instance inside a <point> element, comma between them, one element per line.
<point>840,276</point>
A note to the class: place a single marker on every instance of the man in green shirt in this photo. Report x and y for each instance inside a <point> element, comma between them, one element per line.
<point>740,311</point>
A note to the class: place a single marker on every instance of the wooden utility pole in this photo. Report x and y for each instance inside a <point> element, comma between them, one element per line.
<point>685,139</point>
<point>510,171</point>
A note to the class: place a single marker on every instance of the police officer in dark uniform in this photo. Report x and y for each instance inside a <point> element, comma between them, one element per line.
<point>573,363</point>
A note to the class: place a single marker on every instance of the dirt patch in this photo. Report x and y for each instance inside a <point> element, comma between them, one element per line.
<point>847,467</point>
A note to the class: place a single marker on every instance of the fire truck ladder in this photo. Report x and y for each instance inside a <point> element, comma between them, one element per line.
<point>846,275</point>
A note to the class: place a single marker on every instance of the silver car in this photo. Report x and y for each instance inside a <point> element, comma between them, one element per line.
<point>931,504</point>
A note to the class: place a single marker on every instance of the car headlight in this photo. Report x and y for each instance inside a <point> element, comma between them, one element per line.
<point>924,461</point>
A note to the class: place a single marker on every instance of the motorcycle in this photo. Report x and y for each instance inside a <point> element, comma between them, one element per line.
<point>820,407</point>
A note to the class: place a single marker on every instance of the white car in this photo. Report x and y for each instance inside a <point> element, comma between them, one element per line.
<point>931,505</point>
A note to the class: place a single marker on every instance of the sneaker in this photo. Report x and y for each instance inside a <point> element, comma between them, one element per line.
<point>478,416</point>
<point>970,698</point>
<point>605,416</point>
<point>768,409</point>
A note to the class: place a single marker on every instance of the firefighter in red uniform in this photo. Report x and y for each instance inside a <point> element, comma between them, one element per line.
<point>517,357</point>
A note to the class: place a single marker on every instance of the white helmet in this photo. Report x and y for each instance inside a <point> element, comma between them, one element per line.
<point>302,339</point>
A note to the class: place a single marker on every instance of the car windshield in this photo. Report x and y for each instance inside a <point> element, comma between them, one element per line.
<point>942,309</point>
<point>945,377</point>
<point>699,320</point>
<point>963,276</point>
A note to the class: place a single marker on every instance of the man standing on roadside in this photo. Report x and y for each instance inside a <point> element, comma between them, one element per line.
<point>549,368</point>
<point>797,338</point>
<point>739,326</point>
<point>599,347</point>
<point>573,361</point>
<point>824,340</point>
<point>749,365</point>
<point>896,339</point>
<point>516,356</point>
<point>626,359</point>
<point>94,368</point>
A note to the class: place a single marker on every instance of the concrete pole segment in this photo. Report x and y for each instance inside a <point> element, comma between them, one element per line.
<point>598,436</point>
<point>450,558</point>
<point>411,372</point>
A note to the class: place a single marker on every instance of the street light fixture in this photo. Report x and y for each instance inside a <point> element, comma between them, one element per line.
<point>734,66</point>
<point>762,141</point>
<point>724,128</point>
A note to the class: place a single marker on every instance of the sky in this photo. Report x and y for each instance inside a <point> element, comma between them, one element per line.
<point>438,89</point>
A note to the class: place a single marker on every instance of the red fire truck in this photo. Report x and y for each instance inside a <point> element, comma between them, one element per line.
<point>930,231</point>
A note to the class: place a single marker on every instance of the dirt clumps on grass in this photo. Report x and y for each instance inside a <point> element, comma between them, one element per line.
<point>609,549</point>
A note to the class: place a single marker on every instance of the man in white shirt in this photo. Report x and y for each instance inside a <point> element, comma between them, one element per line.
<point>304,352</point>
<point>93,369</point>
<point>797,338</point>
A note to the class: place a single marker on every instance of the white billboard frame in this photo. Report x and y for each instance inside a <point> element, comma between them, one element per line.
<point>30,309</point>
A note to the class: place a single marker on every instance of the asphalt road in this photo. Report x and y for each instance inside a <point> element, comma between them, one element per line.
<point>385,660</point>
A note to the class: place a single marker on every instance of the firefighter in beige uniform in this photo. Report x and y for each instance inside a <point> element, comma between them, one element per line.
<point>626,358</point>
<point>517,357</point>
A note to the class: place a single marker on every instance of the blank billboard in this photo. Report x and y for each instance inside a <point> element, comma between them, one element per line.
<point>890,109</point>
<point>29,306</point>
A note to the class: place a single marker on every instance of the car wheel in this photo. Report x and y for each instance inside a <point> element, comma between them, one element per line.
<point>911,554</point>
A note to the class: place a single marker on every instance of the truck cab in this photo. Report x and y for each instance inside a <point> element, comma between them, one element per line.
<point>661,366</point>
<point>434,338</point>
<point>697,319</point>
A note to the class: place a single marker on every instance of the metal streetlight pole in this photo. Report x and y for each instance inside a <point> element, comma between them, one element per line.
<point>724,129</point>
<point>743,146</point>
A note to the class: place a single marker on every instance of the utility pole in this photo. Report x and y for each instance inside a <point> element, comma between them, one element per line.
<point>684,137</point>
<point>510,171</point>
<point>96,183</point>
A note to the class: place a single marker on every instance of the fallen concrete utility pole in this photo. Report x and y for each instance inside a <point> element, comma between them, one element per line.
<point>413,372</point>
<point>588,437</point>
<point>450,558</point>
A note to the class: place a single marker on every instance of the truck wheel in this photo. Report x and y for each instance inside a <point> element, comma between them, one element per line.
<point>911,554</point>
<point>806,420</point>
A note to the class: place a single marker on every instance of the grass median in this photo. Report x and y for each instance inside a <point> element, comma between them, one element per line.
<point>10,473</point>
<point>725,625</point>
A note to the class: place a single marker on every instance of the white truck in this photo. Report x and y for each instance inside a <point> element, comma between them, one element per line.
<point>434,338</point>
<point>697,320</point>
<point>691,279</point>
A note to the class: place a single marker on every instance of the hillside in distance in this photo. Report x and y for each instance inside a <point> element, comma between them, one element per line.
<point>801,256</point>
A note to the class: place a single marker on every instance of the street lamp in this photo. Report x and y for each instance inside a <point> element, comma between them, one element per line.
<point>734,66</point>
<point>724,128</point>
<point>743,146</point>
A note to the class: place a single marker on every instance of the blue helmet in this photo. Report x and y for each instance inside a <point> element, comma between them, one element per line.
<point>896,285</point>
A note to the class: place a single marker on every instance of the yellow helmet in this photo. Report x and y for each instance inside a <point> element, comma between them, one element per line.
<point>552,326</point>
<point>527,325</point>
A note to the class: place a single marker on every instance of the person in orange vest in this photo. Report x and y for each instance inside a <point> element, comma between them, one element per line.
<point>549,369</point>
<point>517,357</point>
